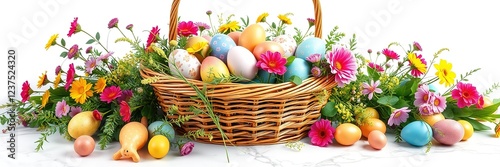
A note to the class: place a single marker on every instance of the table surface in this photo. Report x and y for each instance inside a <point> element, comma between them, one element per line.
<point>481,148</point>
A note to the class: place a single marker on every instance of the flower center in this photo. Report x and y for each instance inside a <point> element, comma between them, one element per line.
<point>426,97</point>
<point>111,95</point>
<point>465,95</point>
<point>272,64</point>
<point>81,90</point>
<point>397,114</point>
<point>322,134</point>
<point>436,102</point>
<point>338,65</point>
<point>445,72</point>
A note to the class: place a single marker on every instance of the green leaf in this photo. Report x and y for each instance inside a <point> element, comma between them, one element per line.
<point>401,103</point>
<point>373,73</point>
<point>289,60</point>
<point>459,112</point>
<point>448,113</point>
<point>63,42</point>
<point>97,36</point>
<point>404,89</point>
<point>478,126</point>
<point>64,54</point>
<point>329,110</point>
<point>90,41</point>
<point>273,25</point>
<point>388,100</point>
<point>414,87</point>
<point>296,80</point>
<point>59,92</point>
<point>496,100</point>
<point>487,111</point>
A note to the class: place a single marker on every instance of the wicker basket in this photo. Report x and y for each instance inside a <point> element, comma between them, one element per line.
<point>250,114</point>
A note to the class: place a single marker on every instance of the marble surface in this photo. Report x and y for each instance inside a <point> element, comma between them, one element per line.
<point>482,148</point>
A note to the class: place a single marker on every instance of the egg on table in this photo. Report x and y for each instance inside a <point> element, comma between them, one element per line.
<point>241,62</point>
<point>220,45</point>
<point>187,64</point>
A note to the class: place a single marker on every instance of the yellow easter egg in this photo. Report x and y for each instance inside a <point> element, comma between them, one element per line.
<point>83,123</point>
<point>252,36</point>
<point>213,68</point>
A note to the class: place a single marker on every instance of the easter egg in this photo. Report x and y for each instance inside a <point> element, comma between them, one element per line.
<point>158,146</point>
<point>84,145</point>
<point>207,37</point>
<point>241,62</point>
<point>165,129</point>
<point>312,45</point>
<point>264,77</point>
<point>287,43</point>
<point>251,36</point>
<point>369,112</point>
<point>299,67</point>
<point>235,35</point>
<point>267,46</point>
<point>417,133</point>
<point>187,64</point>
<point>371,124</point>
<point>198,43</point>
<point>377,139</point>
<point>468,129</point>
<point>83,123</point>
<point>212,68</point>
<point>448,131</point>
<point>220,45</point>
<point>347,134</point>
<point>433,88</point>
<point>432,119</point>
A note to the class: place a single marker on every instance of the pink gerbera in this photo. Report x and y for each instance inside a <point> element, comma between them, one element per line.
<point>466,94</point>
<point>62,109</point>
<point>343,65</point>
<point>105,56</point>
<point>422,95</point>
<point>110,93</point>
<point>376,67</point>
<point>369,89</point>
<point>202,26</point>
<point>186,29</point>
<point>75,27</point>
<point>389,54</point>
<point>70,75</point>
<point>113,23</point>
<point>417,46</point>
<point>425,109</point>
<point>26,91</point>
<point>398,116</point>
<point>480,102</point>
<point>272,63</point>
<point>321,133</point>
<point>125,111</point>
<point>314,58</point>
<point>155,31</point>
<point>438,103</point>
<point>73,51</point>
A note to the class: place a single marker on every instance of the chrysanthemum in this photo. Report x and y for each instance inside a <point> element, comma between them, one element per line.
<point>422,95</point>
<point>26,91</point>
<point>369,89</point>
<point>70,76</point>
<point>229,27</point>
<point>417,64</point>
<point>57,80</point>
<point>105,56</point>
<point>343,65</point>
<point>51,42</point>
<point>100,85</point>
<point>74,28</point>
<point>186,29</point>
<point>398,116</point>
<point>125,111</point>
<point>262,17</point>
<point>153,34</point>
<point>466,94</point>
<point>73,51</point>
<point>272,63</point>
<point>45,98</point>
<point>389,54</point>
<point>42,80</point>
<point>113,23</point>
<point>314,58</point>
<point>80,90</point>
<point>376,67</point>
<point>316,72</point>
<point>446,76</point>
<point>285,19</point>
<point>321,133</point>
<point>62,109</point>
<point>111,93</point>
<point>91,64</point>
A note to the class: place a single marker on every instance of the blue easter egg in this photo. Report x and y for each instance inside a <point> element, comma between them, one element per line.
<point>311,46</point>
<point>298,67</point>
<point>433,88</point>
<point>263,77</point>
<point>166,129</point>
<point>220,45</point>
<point>417,133</point>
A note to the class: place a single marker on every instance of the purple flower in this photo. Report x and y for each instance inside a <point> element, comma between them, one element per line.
<point>377,67</point>
<point>105,56</point>
<point>186,148</point>
<point>88,50</point>
<point>209,12</point>
<point>91,64</point>
<point>74,110</point>
<point>129,27</point>
<point>126,95</point>
<point>113,23</point>
<point>73,51</point>
<point>202,26</point>
<point>58,69</point>
<point>62,109</point>
<point>314,58</point>
<point>316,72</point>
<point>369,89</point>
<point>398,116</point>
<point>417,46</point>
<point>311,21</point>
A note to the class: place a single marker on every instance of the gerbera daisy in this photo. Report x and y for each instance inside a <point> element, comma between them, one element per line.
<point>202,26</point>
<point>343,65</point>
<point>285,19</point>
<point>316,72</point>
<point>111,93</point>
<point>51,42</point>
<point>389,54</point>
<point>153,34</point>
<point>57,80</point>
<point>125,111</point>
<point>398,116</point>
<point>262,17</point>
<point>425,109</point>
<point>369,89</point>
<point>70,76</point>
<point>466,94</point>
<point>272,63</point>
<point>26,91</point>
<point>314,58</point>
<point>438,103</point>
<point>418,64</point>
<point>73,51</point>
<point>42,80</point>
<point>91,64</point>
<point>105,56</point>
<point>100,85</point>
<point>446,76</point>
<point>80,90</point>
<point>75,27</point>
<point>422,95</point>
<point>186,29</point>
<point>62,109</point>
<point>45,98</point>
<point>480,102</point>
<point>229,27</point>
<point>321,133</point>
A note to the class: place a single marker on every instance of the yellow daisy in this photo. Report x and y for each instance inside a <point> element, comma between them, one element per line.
<point>197,47</point>
<point>262,17</point>
<point>229,27</point>
<point>100,85</point>
<point>45,98</point>
<point>57,80</point>
<point>51,42</point>
<point>80,90</point>
<point>417,64</point>
<point>285,19</point>
<point>446,76</point>
<point>42,80</point>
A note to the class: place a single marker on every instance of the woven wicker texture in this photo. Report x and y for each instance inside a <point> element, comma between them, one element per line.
<point>250,114</point>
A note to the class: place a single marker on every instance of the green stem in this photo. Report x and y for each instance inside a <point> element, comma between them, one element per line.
<point>98,42</point>
<point>121,32</point>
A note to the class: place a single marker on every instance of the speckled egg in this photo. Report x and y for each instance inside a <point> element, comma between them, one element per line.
<point>220,45</point>
<point>187,64</point>
<point>287,43</point>
<point>299,67</point>
<point>241,62</point>
<point>312,45</point>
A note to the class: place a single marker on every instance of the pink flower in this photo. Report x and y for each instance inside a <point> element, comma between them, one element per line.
<point>438,103</point>
<point>105,56</point>
<point>97,115</point>
<point>62,109</point>
<point>398,116</point>
<point>480,102</point>
<point>311,21</point>
<point>125,111</point>
<point>343,65</point>
<point>58,69</point>
<point>314,58</point>
<point>316,72</point>
<point>422,95</point>
<point>369,89</point>
<point>88,50</point>
<point>74,110</point>
<point>70,76</point>
<point>126,95</point>
<point>321,133</point>
<point>113,23</point>
<point>376,67</point>
<point>425,109</point>
<point>417,46</point>
<point>466,94</point>
<point>186,148</point>
<point>155,31</point>
<point>91,64</point>
<point>73,51</point>
<point>272,63</point>
<point>389,54</point>
<point>129,27</point>
<point>26,91</point>
<point>110,93</point>
<point>186,29</point>
<point>75,27</point>
<point>202,26</point>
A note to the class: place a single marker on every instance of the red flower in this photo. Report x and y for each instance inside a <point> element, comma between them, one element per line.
<point>70,76</point>
<point>480,102</point>
<point>377,67</point>
<point>97,115</point>
<point>26,91</point>
<point>111,93</point>
<point>272,63</point>
<point>75,27</point>
<point>125,111</point>
<point>152,36</point>
<point>321,133</point>
<point>186,29</point>
<point>466,94</point>
<point>389,54</point>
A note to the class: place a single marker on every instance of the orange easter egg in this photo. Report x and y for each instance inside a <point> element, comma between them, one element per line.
<point>235,36</point>
<point>267,46</point>
<point>252,36</point>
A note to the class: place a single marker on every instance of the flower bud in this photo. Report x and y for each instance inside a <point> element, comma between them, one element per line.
<point>173,43</point>
<point>370,51</point>
<point>209,12</point>
<point>129,27</point>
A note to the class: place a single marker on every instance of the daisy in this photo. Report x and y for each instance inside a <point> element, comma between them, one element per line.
<point>321,133</point>
<point>466,94</point>
<point>369,89</point>
<point>398,116</point>
<point>418,64</point>
<point>343,65</point>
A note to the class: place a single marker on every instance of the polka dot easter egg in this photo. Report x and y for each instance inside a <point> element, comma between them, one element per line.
<point>220,45</point>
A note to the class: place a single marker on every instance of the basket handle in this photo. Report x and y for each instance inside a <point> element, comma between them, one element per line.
<point>172,34</point>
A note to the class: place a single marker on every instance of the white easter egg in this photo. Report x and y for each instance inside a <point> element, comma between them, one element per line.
<point>187,64</point>
<point>287,43</point>
<point>241,62</point>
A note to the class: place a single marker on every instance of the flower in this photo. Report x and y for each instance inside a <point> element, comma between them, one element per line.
<point>343,65</point>
<point>100,85</point>
<point>398,116</point>
<point>105,56</point>
<point>311,22</point>
<point>285,19</point>
<point>62,109</point>
<point>417,46</point>
<point>262,17</point>
<point>197,47</point>
<point>209,12</point>
<point>129,26</point>
<point>377,67</point>
<point>125,111</point>
<point>153,34</point>
<point>42,80</point>
<point>466,94</point>
<point>426,109</point>
<point>202,26</point>
<point>110,93</point>
<point>321,133</point>
<point>70,76</point>
<point>45,98</point>
<point>316,71</point>
<point>418,64</point>
<point>446,76</point>
<point>229,27</point>
<point>51,42</point>
<point>389,54</point>
<point>186,29</point>
<point>369,89</point>
<point>73,51</point>
<point>97,115</point>
<point>58,70</point>
<point>26,91</point>
<point>314,58</point>
<point>57,80</point>
<point>88,50</point>
<point>422,95</point>
<point>91,64</point>
<point>126,95</point>
<point>186,148</point>
<point>80,90</point>
<point>272,63</point>
<point>74,110</point>
<point>113,23</point>
<point>480,102</point>
<point>75,27</point>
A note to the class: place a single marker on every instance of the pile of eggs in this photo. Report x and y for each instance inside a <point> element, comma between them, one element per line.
<point>237,53</point>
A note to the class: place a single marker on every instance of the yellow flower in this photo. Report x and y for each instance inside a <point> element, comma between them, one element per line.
<point>80,90</point>
<point>262,17</point>
<point>45,98</point>
<point>52,41</point>
<point>196,47</point>
<point>497,131</point>
<point>42,80</point>
<point>285,19</point>
<point>444,73</point>
<point>57,80</point>
<point>417,63</point>
<point>100,85</point>
<point>229,27</point>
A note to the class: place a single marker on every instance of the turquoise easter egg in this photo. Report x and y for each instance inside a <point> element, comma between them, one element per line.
<point>417,133</point>
<point>299,67</point>
<point>311,46</point>
<point>433,88</point>
<point>264,77</point>
<point>166,129</point>
<point>220,45</point>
